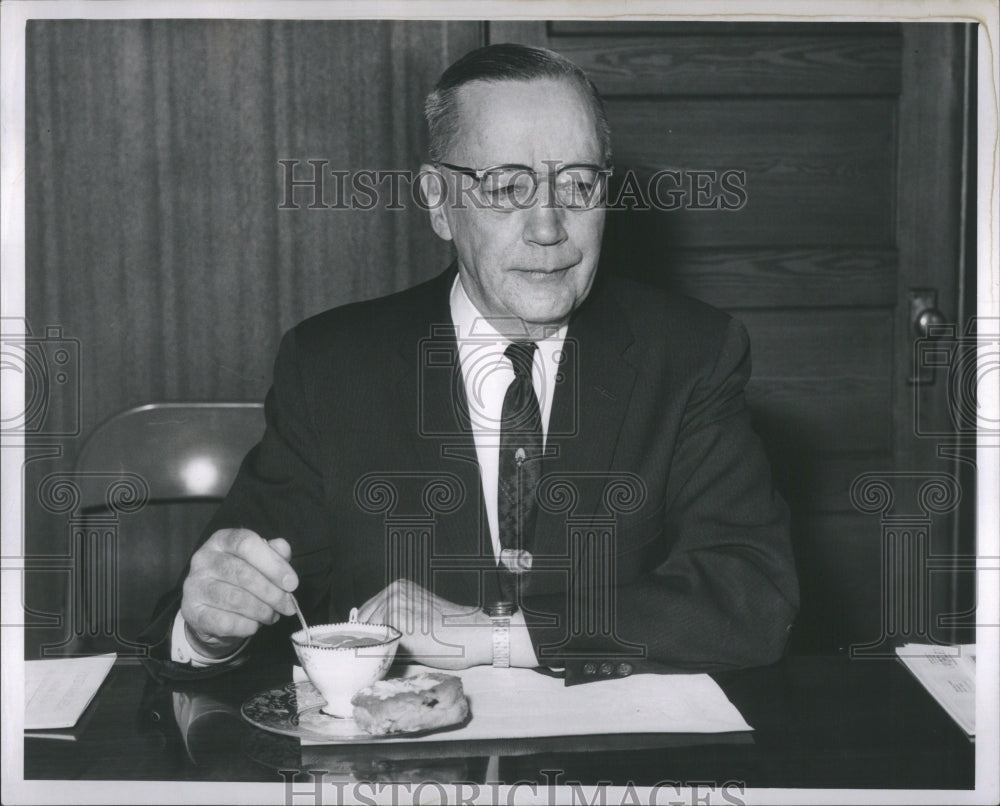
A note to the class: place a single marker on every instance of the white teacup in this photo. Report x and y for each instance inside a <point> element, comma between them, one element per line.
<point>343,658</point>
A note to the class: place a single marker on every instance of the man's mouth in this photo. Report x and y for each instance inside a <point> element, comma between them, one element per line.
<point>543,273</point>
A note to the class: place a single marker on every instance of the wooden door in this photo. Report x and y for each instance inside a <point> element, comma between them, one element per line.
<point>842,144</point>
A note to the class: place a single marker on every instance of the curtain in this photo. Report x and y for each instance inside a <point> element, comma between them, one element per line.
<point>160,241</point>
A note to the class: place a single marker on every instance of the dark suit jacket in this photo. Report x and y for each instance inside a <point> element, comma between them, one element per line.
<point>660,543</point>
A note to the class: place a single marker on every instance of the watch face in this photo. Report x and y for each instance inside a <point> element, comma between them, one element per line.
<point>499,609</point>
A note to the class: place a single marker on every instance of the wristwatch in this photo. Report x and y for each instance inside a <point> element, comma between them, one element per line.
<point>500,613</point>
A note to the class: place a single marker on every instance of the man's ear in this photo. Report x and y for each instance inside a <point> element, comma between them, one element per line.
<point>434,192</point>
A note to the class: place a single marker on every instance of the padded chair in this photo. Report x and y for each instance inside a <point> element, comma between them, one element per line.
<point>149,479</point>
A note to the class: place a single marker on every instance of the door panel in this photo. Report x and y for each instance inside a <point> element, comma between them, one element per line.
<point>817,171</point>
<point>753,63</point>
<point>766,277</point>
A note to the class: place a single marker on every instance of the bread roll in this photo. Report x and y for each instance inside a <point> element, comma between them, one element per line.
<point>408,704</point>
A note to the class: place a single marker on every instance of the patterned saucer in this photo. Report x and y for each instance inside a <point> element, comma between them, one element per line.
<point>294,710</point>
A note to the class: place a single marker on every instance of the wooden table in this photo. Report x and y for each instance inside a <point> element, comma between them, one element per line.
<point>825,722</point>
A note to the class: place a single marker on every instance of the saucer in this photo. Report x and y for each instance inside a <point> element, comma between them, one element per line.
<point>294,710</point>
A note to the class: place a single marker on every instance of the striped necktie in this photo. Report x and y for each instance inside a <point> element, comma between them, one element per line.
<point>520,469</point>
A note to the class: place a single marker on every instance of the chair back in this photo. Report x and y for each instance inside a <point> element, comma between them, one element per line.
<point>183,451</point>
<point>149,480</point>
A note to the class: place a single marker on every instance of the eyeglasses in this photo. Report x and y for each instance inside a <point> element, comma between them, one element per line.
<point>506,188</point>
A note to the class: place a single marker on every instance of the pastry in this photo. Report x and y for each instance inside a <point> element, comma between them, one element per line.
<point>408,704</point>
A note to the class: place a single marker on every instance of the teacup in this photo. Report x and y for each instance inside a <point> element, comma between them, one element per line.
<point>341,659</point>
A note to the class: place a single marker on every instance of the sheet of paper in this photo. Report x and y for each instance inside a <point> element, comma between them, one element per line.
<point>949,674</point>
<point>57,691</point>
<point>518,703</point>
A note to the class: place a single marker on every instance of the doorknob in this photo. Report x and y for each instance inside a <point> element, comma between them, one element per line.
<point>925,318</point>
<point>926,323</point>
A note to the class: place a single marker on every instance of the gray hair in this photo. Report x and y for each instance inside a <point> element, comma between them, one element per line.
<point>507,62</point>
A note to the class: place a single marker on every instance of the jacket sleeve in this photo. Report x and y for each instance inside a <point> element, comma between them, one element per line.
<point>726,594</point>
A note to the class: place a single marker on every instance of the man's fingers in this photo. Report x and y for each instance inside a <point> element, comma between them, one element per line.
<point>261,566</point>
<point>243,559</point>
<point>373,610</point>
<point>261,554</point>
<point>237,581</point>
<point>281,546</point>
<point>405,605</point>
<point>209,621</point>
<point>217,594</point>
<point>240,602</point>
<point>239,573</point>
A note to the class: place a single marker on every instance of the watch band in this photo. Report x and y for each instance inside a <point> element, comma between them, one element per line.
<point>499,614</point>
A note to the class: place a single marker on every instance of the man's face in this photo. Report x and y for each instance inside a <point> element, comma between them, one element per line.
<point>538,263</point>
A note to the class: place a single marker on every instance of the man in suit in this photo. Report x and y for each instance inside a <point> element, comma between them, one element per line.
<point>518,429</point>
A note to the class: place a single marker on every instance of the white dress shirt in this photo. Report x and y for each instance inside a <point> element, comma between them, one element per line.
<point>487,373</point>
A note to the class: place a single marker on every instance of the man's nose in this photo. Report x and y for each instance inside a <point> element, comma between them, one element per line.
<point>545,218</point>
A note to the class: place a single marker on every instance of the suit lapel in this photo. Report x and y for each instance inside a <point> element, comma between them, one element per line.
<point>431,397</point>
<point>588,411</point>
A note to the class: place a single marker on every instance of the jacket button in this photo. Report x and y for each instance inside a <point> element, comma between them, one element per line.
<point>624,669</point>
<point>606,668</point>
<point>589,668</point>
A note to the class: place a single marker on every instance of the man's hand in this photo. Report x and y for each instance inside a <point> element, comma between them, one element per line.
<point>237,582</point>
<point>436,632</point>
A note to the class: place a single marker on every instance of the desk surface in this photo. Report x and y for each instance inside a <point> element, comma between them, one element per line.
<point>819,722</point>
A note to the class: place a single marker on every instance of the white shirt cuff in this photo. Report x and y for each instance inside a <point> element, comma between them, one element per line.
<point>181,650</point>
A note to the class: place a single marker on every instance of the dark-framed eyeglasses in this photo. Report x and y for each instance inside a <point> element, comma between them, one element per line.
<point>506,188</point>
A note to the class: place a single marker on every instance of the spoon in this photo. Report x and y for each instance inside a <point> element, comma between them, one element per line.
<point>302,619</point>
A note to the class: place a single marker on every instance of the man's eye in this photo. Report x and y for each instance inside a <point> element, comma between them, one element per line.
<point>510,184</point>
<point>500,196</point>
<point>504,190</point>
<point>578,191</point>
<point>578,179</point>
<point>508,190</point>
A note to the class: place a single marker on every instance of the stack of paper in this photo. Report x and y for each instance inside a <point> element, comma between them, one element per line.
<point>518,703</point>
<point>56,692</point>
<point>949,674</point>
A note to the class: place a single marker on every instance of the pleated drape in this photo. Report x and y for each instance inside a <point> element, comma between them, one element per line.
<point>155,235</point>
